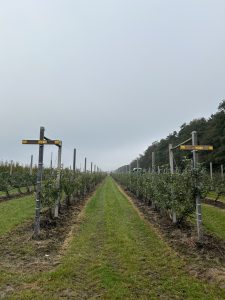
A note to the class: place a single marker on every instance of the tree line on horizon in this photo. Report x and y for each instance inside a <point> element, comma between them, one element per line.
<point>210,131</point>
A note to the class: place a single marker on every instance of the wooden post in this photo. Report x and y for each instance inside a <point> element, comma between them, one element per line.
<point>85,165</point>
<point>153,162</point>
<point>137,173</point>
<point>57,204</point>
<point>51,161</point>
<point>11,168</point>
<point>171,158</point>
<point>38,191</point>
<point>198,198</point>
<point>211,171</point>
<point>31,165</point>
<point>74,159</point>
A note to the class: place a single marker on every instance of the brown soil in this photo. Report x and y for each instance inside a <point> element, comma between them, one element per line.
<point>204,260</point>
<point>216,203</point>
<point>15,195</point>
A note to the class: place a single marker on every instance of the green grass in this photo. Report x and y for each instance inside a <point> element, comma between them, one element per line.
<point>115,254</point>
<point>15,191</point>
<point>214,220</point>
<point>14,212</point>
<point>212,195</point>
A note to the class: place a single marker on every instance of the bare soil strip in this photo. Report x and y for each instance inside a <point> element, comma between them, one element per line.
<point>216,203</point>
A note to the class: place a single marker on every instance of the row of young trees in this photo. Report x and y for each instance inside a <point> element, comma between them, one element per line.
<point>73,187</point>
<point>16,177</point>
<point>172,193</point>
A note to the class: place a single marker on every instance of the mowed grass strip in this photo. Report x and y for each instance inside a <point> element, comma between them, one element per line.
<point>14,212</point>
<point>214,220</point>
<point>115,254</point>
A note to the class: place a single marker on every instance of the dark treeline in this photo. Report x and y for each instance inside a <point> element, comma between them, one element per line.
<point>210,132</point>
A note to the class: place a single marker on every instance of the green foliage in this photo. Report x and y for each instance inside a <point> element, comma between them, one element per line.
<point>50,192</point>
<point>73,185</point>
<point>169,192</point>
<point>218,186</point>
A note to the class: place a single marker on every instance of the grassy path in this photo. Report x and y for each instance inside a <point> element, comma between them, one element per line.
<point>214,220</point>
<point>115,254</point>
<point>15,211</point>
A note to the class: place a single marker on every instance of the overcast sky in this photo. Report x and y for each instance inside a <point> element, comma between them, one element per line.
<point>108,77</point>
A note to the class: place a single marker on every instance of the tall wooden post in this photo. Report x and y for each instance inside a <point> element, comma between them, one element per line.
<point>171,158</point>
<point>198,198</point>
<point>31,165</point>
<point>38,191</point>
<point>85,165</point>
<point>211,170</point>
<point>74,159</point>
<point>153,162</point>
<point>51,161</point>
<point>57,204</point>
<point>11,168</point>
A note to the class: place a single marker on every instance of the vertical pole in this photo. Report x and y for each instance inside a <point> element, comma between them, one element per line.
<point>211,171</point>
<point>137,190</point>
<point>51,161</point>
<point>222,174</point>
<point>171,158</point>
<point>58,178</point>
<point>158,169</point>
<point>38,191</point>
<point>11,168</point>
<point>85,165</point>
<point>74,159</point>
<point>198,199</point>
<point>91,167</point>
<point>129,176</point>
<point>153,162</point>
<point>31,165</point>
